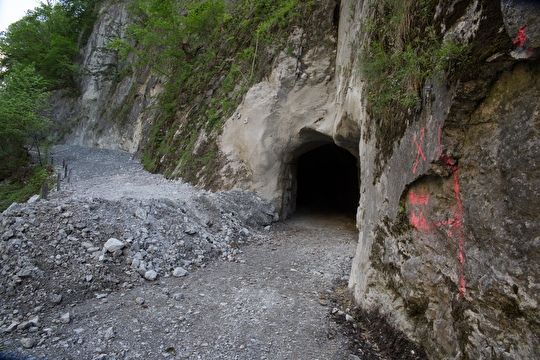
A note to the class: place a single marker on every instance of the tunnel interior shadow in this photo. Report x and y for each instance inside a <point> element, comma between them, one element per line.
<point>327,181</point>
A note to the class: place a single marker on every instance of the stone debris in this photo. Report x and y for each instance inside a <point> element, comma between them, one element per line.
<point>179,272</point>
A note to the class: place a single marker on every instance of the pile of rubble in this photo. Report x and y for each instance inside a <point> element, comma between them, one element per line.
<point>63,249</point>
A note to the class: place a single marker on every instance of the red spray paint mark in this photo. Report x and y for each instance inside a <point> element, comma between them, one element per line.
<point>419,199</point>
<point>419,221</point>
<point>419,150</point>
<point>456,223</point>
<point>521,37</point>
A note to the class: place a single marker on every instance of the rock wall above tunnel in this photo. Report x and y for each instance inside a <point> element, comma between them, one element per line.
<point>292,112</point>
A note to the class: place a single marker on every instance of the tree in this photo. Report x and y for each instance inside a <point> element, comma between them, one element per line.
<point>48,37</point>
<point>23,121</point>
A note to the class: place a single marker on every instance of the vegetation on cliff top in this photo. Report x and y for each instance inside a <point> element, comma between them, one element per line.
<point>403,51</point>
<point>210,52</point>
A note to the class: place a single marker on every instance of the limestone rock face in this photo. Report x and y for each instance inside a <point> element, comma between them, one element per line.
<point>449,230</point>
<point>109,112</point>
<point>287,115</point>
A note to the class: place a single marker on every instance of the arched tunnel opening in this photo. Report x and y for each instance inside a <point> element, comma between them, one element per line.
<point>327,180</point>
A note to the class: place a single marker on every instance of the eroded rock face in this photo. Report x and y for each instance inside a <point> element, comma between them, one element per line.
<point>448,232</point>
<point>109,113</point>
<point>290,113</point>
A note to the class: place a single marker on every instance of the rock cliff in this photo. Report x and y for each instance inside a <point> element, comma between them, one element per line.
<point>449,237</point>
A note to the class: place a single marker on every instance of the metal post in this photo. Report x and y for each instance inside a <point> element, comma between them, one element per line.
<point>58,182</point>
<point>44,189</point>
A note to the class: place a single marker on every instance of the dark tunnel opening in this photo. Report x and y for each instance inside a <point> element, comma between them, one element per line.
<point>327,180</point>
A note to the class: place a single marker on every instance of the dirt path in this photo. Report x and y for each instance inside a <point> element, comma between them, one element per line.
<point>271,304</point>
<point>270,300</point>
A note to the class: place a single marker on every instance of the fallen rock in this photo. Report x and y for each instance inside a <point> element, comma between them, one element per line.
<point>179,272</point>
<point>28,343</point>
<point>150,275</point>
<point>66,318</point>
<point>112,245</point>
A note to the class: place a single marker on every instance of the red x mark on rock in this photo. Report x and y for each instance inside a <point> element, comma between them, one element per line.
<point>419,150</point>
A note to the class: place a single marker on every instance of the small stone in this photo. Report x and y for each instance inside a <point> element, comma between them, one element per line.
<point>66,318</point>
<point>178,296</point>
<point>113,244</point>
<point>139,301</point>
<point>33,199</point>
<point>56,299</point>
<point>349,318</point>
<point>24,325</point>
<point>179,272</point>
<point>13,326</point>
<point>323,302</point>
<point>150,275</point>
<point>28,343</point>
<point>109,333</point>
<point>89,278</point>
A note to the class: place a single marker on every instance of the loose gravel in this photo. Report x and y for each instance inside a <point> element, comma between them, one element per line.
<point>123,264</point>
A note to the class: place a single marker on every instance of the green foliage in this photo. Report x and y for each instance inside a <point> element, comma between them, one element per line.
<point>396,75</point>
<point>48,37</point>
<point>207,51</point>
<point>23,188</point>
<point>23,120</point>
<point>402,53</point>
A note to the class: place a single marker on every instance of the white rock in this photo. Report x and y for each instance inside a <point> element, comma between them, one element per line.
<point>150,275</point>
<point>179,272</point>
<point>33,199</point>
<point>349,318</point>
<point>113,244</point>
<point>66,318</point>
<point>28,342</point>
<point>109,333</point>
<point>139,301</point>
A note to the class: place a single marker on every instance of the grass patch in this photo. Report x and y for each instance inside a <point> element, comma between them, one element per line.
<point>27,184</point>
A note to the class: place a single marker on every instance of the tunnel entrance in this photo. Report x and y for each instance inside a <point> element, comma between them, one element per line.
<point>327,180</point>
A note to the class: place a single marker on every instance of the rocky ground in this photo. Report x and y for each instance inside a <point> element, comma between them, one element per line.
<point>122,264</point>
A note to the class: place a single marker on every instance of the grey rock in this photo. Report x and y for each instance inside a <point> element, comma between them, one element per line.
<point>178,296</point>
<point>179,272</point>
<point>65,318</point>
<point>109,333</point>
<point>150,275</point>
<point>12,326</point>
<point>28,343</point>
<point>139,301</point>
<point>113,245</point>
<point>33,199</point>
<point>56,299</point>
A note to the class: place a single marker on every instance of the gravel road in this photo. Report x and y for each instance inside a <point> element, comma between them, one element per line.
<point>271,297</point>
